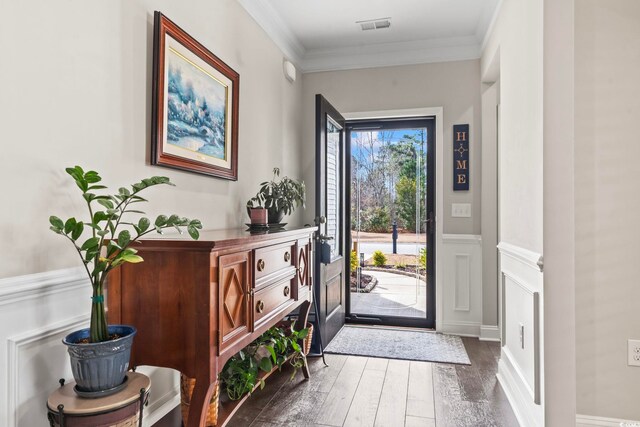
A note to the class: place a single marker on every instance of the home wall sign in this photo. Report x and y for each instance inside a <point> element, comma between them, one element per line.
<point>460,157</point>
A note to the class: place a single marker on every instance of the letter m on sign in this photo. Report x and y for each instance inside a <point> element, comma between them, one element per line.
<point>461,157</point>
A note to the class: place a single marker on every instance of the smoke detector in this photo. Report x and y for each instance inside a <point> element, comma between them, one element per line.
<point>375,24</point>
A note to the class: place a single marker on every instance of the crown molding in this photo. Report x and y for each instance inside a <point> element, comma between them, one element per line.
<point>367,56</point>
<point>391,54</point>
<point>485,27</point>
<point>278,30</point>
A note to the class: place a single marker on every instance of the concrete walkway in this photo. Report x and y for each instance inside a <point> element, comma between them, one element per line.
<point>395,295</point>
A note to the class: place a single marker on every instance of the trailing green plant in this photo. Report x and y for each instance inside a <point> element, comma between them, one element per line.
<point>241,373</point>
<point>107,248</point>
<point>354,261</point>
<point>379,259</point>
<point>422,258</point>
<point>283,195</point>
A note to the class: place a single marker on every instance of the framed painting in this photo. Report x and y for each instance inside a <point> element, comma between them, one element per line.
<point>195,105</point>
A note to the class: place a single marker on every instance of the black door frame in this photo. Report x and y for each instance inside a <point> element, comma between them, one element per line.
<point>429,123</point>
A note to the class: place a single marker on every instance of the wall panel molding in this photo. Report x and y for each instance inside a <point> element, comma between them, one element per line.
<point>461,286</point>
<point>14,289</point>
<point>525,256</point>
<point>16,345</point>
<point>521,326</point>
<point>37,311</point>
<point>462,289</point>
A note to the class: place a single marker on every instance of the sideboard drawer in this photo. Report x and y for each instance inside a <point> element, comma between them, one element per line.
<point>270,262</point>
<point>268,302</point>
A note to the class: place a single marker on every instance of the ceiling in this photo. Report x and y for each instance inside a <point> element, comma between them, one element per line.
<point>323,35</point>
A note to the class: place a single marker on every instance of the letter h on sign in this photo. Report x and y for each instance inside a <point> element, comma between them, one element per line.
<point>460,157</point>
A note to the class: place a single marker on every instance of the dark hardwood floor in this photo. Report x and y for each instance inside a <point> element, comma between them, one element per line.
<point>360,391</point>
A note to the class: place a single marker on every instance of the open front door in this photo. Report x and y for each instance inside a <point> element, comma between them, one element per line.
<point>330,204</point>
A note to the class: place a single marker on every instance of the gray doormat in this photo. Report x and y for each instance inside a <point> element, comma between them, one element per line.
<point>399,344</point>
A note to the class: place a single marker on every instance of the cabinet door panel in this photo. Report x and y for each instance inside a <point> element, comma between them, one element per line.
<point>303,263</point>
<point>234,316</point>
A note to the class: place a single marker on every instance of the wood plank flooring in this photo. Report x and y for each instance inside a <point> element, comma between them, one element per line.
<point>358,391</point>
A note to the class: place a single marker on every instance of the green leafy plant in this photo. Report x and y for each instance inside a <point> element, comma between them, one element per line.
<point>107,248</point>
<point>241,373</point>
<point>379,259</point>
<point>283,195</point>
<point>422,258</point>
<point>401,265</point>
<point>354,261</point>
<point>376,220</point>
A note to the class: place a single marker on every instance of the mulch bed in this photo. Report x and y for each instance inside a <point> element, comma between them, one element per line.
<point>367,283</point>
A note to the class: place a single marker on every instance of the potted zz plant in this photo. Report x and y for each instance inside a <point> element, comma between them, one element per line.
<point>278,197</point>
<point>100,354</point>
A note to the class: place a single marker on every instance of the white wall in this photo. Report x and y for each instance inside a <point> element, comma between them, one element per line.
<point>517,35</point>
<point>607,99</point>
<point>77,90</point>
<point>455,86</point>
<point>514,54</point>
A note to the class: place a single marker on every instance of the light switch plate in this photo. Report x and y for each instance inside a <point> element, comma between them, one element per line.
<point>461,210</point>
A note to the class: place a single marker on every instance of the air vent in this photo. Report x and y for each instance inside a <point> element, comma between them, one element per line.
<point>375,24</point>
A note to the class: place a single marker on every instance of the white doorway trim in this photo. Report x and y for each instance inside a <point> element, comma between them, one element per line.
<point>438,113</point>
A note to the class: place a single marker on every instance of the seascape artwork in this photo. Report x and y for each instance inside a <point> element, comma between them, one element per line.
<point>196,108</point>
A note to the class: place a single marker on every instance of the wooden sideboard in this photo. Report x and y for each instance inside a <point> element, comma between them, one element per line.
<point>196,303</point>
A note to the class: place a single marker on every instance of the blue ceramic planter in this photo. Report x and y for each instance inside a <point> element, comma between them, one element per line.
<point>100,367</point>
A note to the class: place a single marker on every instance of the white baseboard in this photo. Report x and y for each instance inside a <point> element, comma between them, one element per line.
<point>465,329</point>
<point>489,333</point>
<point>590,420</point>
<point>527,412</point>
<point>161,407</point>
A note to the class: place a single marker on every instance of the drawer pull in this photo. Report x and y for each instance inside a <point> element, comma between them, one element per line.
<point>286,291</point>
<point>287,256</point>
<point>260,306</point>
<point>260,264</point>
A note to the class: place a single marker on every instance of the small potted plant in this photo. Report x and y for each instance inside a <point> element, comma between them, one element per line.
<point>279,197</point>
<point>100,354</point>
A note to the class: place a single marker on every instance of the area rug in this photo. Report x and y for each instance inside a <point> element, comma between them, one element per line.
<point>394,343</point>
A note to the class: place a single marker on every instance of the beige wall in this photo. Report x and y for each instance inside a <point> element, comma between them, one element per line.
<point>77,90</point>
<point>455,86</point>
<point>490,101</point>
<point>607,102</point>
<point>559,361</point>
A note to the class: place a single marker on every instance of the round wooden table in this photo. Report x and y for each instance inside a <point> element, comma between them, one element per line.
<point>122,409</point>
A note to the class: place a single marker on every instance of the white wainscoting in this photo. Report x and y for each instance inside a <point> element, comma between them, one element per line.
<point>36,312</point>
<point>521,364</point>
<point>460,309</point>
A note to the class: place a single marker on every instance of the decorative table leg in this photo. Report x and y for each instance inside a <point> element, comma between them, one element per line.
<point>200,403</point>
<point>301,323</point>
